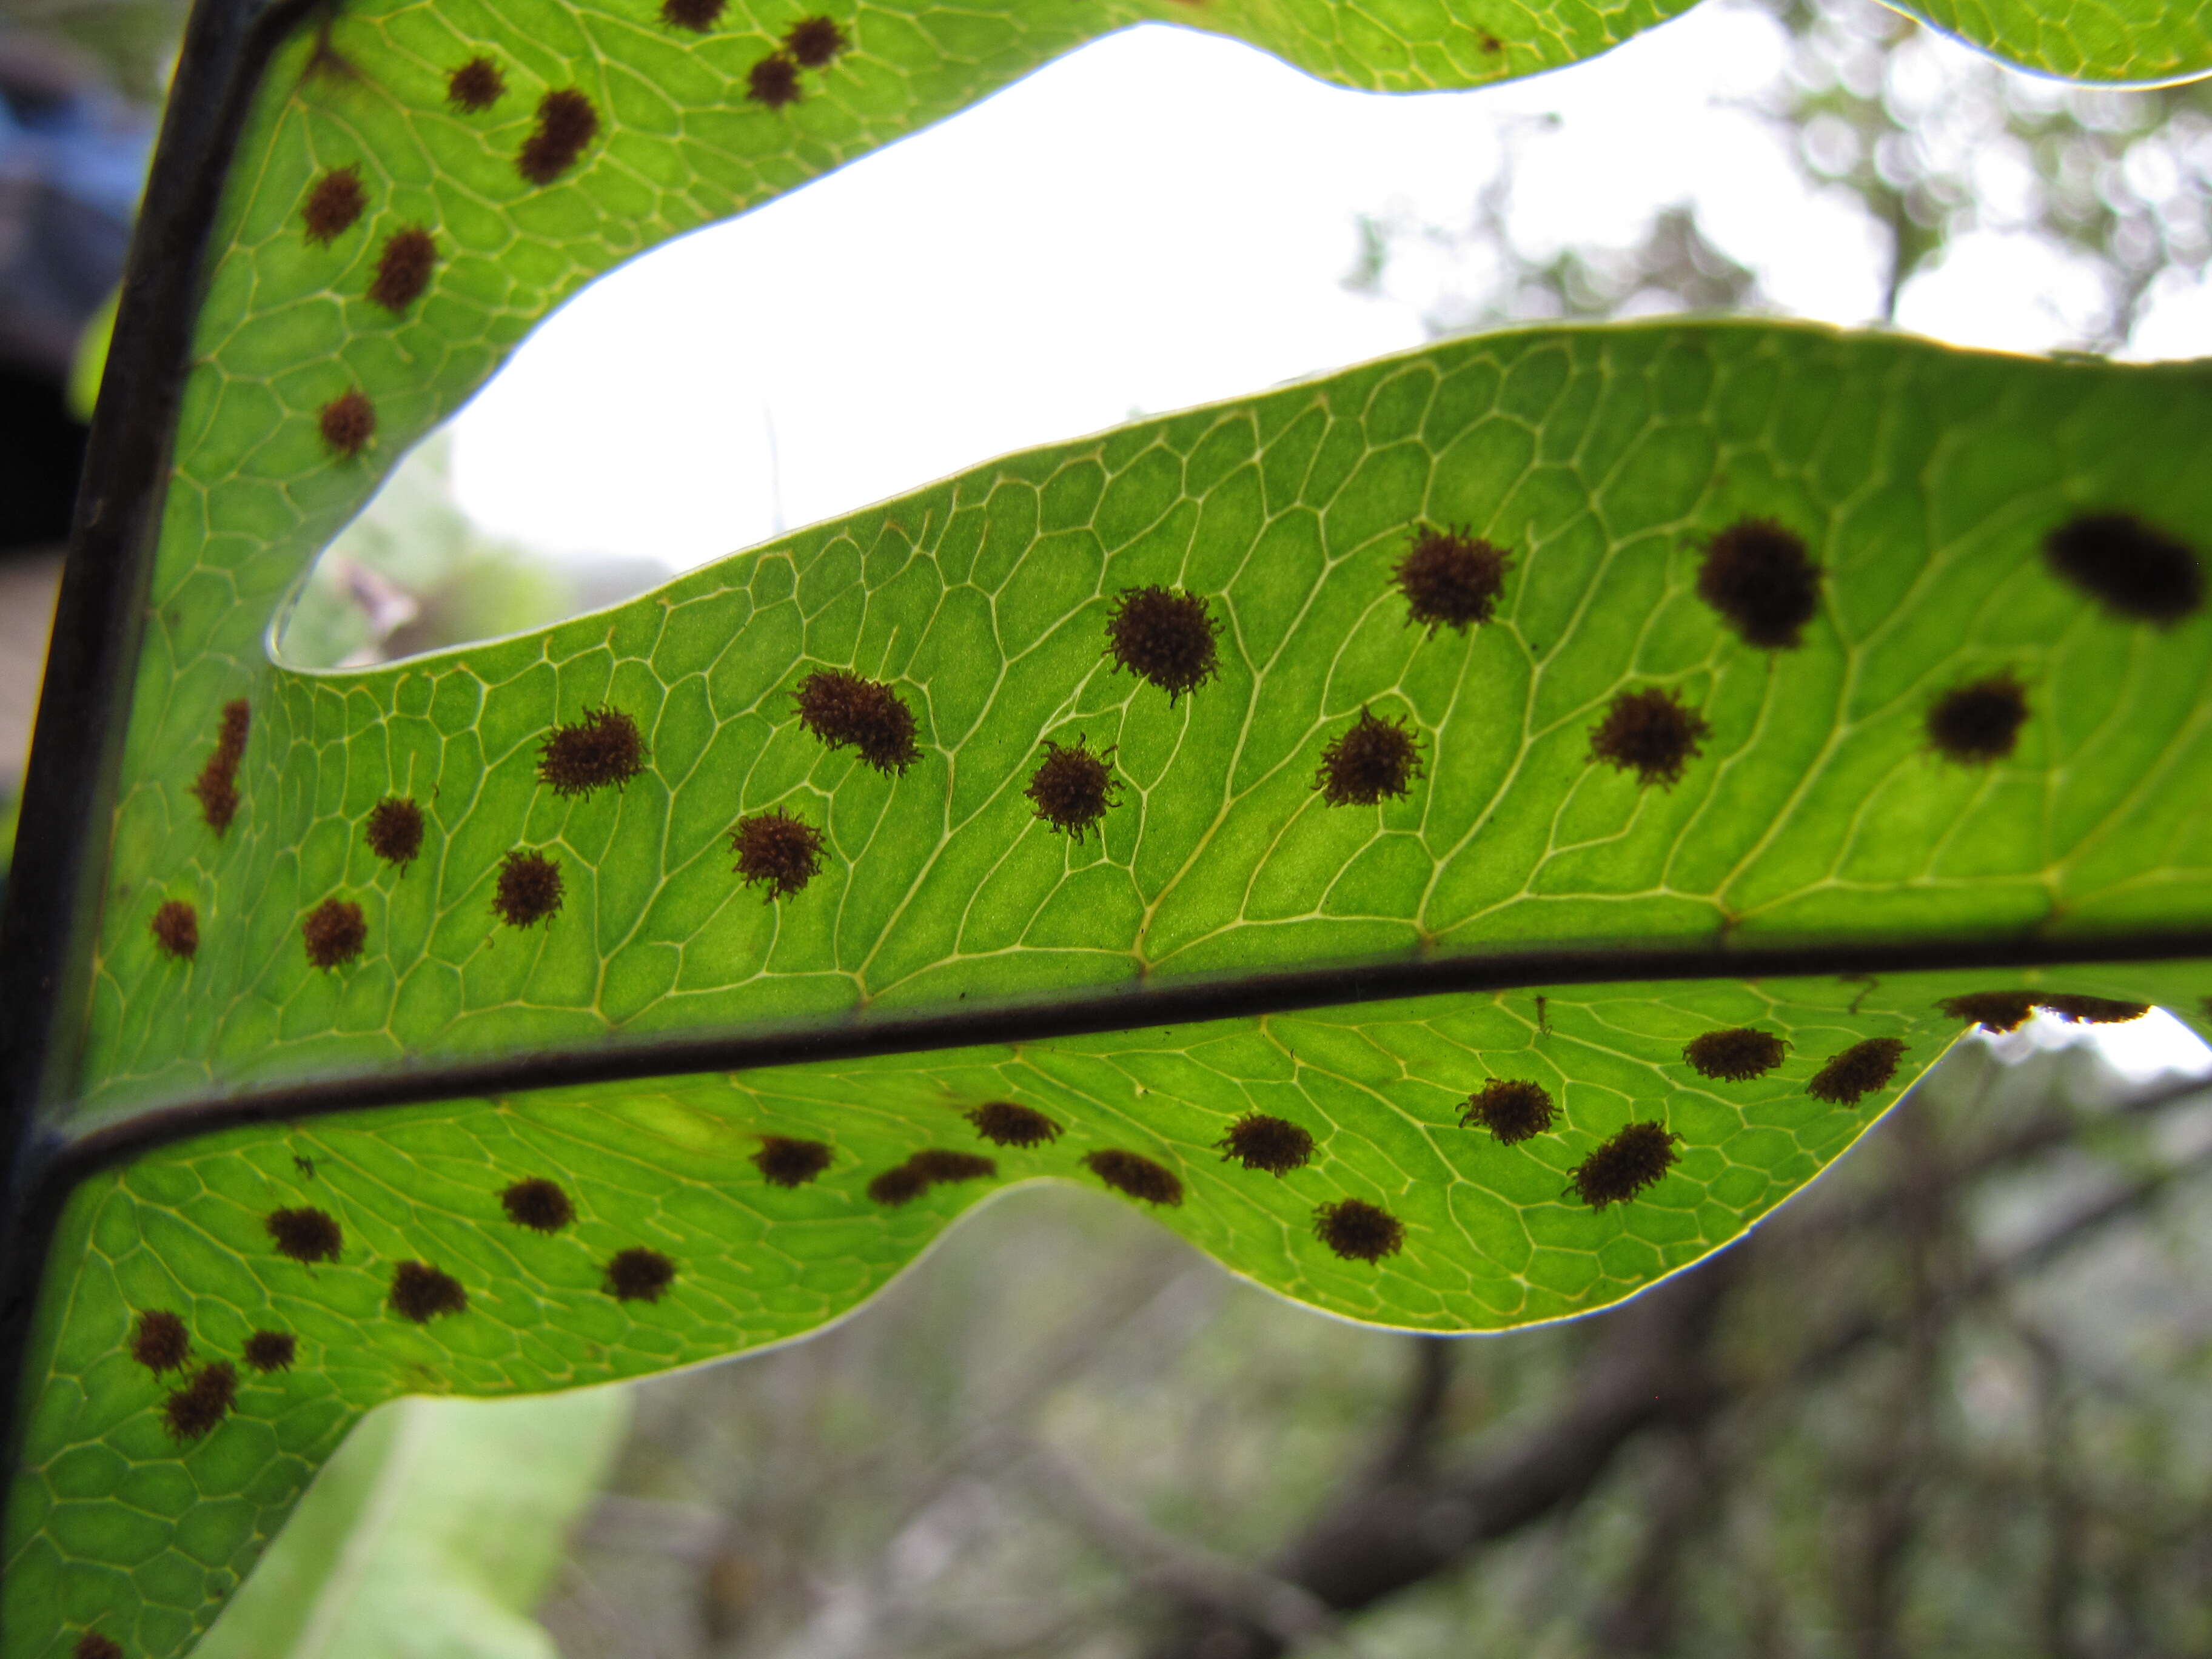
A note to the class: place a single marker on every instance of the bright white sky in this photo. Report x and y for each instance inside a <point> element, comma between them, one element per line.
<point>1067,254</point>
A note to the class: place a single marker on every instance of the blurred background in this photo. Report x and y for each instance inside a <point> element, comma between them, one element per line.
<point>1952,1402</point>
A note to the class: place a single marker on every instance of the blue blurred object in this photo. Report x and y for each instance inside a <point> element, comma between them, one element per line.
<point>73,154</point>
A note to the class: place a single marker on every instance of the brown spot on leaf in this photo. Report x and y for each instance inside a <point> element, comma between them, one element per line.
<point>1358,1230</point>
<point>1758,576</point>
<point>93,1645</point>
<point>1624,1166</point>
<point>1978,724</point>
<point>347,422</point>
<point>1003,1123</point>
<point>334,204</point>
<point>773,81</point>
<point>176,929</point>
<point>404,268</point>
<point>476,86</point>
<point>1273,1145</point>
<point>1451,579</point>
<point>1164,636</point>
<point>1376,761</point>
<point>197,1408</point>
<point>540,1205</point>
<point>1851,1076</point>
<point>1652,734</point>
<point>2133,571</point>
<point>270,1351</point>
<point>421,1293</point>
<point>305,1234</point>
<point>604,748</point>
<point>1993,1011</point>
<point>394,829</point>
<point>1072,788</point>
<point>1135,1176</point>
<point>529,888</point>
<point>935,1165</point>
<point>1735,1056</point>
<point>778,850</point>
<point>845,711</point>
<point>2092,1011</point>
<point>1513,1109</point>
<point>158,1341</point>
<point>216,786</point>
<point>639,1275</point>
<point>334,933</point>
<point>698,16</point>
<point>901,1185</point>
<point>815,42</point>
<point>785,1162</point>
<point>566,122</point>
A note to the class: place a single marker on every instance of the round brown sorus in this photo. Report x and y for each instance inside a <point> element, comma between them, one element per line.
<point>815,42</point>
<point>1164,636</point>
<point>1072,788</point>
<point>334,933</point>
<point>2092,1011</point>
<point>1358,1230</point>
<point>604,748</point>
<point>334,202</point>
<point>305,1234</point>
<point>895,1186</point>
<point>1135,1176</point>
<point>1978,723</point>
<point>1513,1109</point>
<point>404,268</point>
<point>1273,1145</point>
<point>539,1204</point>
<point>566,123</point>
<point>1624,1166</point>
<point>1756,573</point>
<point>270,1351</point>
<point>2133,571</point>
<point>773,81</point>
<point>784,1162</point>
<point>698,16</point>
<point>1736,1056</point>
<point>848,711</point>
<point>1374,762</point>
<point>347,422</point>
<point>529,888</point>
<point>1851,1076</point>
<point>1652,734</point>
<point>176,928</point>
<point>158,1341</point>
<point>196,1409</point>
<point>1451,579</point>
<point>93,1645</point>
<point>1993,1011</point>
<point>934,1165</point>
<point>476,86</point>
<point>1003,1123</point>
<point>421,1293</point>
<point>639,1275</point>
<point>778,850</point>
<point>394,829</point>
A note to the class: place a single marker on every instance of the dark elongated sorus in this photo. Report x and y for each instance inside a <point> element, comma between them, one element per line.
<point>1513,1109</point>
<point>216,786</point>
<point>1993,1011</point>
<point>2091,1011</point>
<point>1736,1056</point>
<point>421,1293</point>
<point>786,1161</point>
<point>1978,724</point>
<point>158,1341</point>
<point>1003,1123</point>
<point>566,122</point>
<point>1851,1076</point>
<point>1757,575</point>
<point>1376,760</point>
<point>176,929</point>
<point>334,204</point>
<point>1135,1176</point>
<point>778,850</point>
<point>1072,788</point>
<point>1164,636</point>
<point>1635,1159</point>
<point>935,1164</point>
<point>394,829</point>
<point>845,711</point>
<point>334,933</point>
<point>1652,734</point>
<point>528,890</point>
<point>601,750</point>
<point>638,1274</point>
<point>1273,1145</point>
<point>1451,579</point>
<point>540,1205</point>
<point>698,16</point>
<point>2133,571</point>
<point>270,1351</point>
<point>305,1234</point>
<point>901,1184</point>
<point>197,1408</point>
<point>404,268</point>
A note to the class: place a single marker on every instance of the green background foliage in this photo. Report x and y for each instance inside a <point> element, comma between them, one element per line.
<point>1924,480</point>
